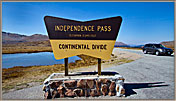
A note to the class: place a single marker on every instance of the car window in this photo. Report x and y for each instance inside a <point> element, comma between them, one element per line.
<point>150,45</point>
<point>159,46</point>
<point>153,46</point>
<point>147,45</point>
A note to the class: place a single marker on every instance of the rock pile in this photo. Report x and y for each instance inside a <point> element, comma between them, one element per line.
<point>84,87</point>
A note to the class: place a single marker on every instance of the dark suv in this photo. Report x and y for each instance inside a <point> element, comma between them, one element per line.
<point>157,49</point>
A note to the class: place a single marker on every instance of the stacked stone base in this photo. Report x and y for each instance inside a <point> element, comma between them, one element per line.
<point>83,86</point>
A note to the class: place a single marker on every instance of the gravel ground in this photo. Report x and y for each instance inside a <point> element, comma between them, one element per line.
<point>150,77</point>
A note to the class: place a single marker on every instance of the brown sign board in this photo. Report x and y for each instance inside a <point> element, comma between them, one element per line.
<point>94,38</point>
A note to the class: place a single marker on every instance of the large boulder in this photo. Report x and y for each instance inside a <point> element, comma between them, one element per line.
<point>112,91</point>
<point>104,89</point>
<point>61,90</point>
<point>81,83</point>
<point>112,86</point>
<point>55,84</point>
<point>79,92</point>
<point>70,83</point>
<point>70,93</point>
<point>98,87</point>
<point>90,83</point>
<point>93,92</point>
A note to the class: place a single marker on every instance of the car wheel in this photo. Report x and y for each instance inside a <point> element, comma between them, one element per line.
<point>169,54</point>
<point>157,53</point>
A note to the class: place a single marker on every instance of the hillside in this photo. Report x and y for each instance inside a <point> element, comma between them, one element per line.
<point>120,44</point>
<point>168,44</point>
<point>16,43</point>
<point>8,38</point>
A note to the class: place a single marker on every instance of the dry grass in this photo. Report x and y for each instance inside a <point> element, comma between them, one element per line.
<point>27,47</point>
<point>20,77</point>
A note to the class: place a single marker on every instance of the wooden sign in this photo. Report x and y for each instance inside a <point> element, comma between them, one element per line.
<point>94,38</point>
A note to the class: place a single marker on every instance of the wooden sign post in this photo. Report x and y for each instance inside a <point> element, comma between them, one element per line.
<point>66,66</point>
<point>99,66</point>
<point>95,38</point>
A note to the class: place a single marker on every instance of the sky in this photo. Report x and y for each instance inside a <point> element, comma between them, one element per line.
<point>143,22</point>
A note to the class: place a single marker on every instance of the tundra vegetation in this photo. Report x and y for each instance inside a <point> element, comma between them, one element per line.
<point>20,77</point>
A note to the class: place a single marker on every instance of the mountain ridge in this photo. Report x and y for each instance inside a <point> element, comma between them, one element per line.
<point>16,38</point>
<point>11,38</point>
